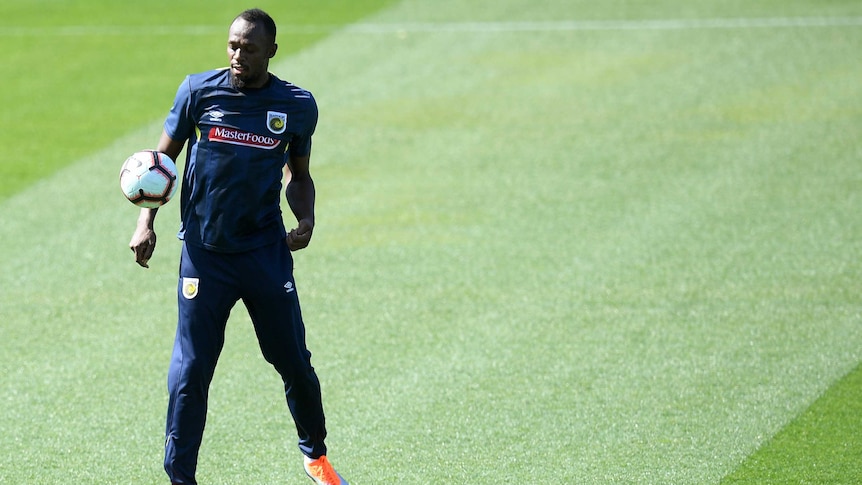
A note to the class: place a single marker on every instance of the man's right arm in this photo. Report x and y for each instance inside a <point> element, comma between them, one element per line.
<point>143,241</point>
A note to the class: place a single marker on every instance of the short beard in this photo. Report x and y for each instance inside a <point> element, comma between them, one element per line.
<point>236,82</point>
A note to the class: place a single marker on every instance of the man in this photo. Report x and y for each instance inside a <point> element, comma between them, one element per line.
<point>242,124</point>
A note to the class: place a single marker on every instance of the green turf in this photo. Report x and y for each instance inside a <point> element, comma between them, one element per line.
<point>821,446</point>
<point>612,255</point>
<point>82,74</point>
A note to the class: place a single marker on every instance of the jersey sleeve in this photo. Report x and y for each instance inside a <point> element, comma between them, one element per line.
<point>300,145</point>
<point>179,124</point>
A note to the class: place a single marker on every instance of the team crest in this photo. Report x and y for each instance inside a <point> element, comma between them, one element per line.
<point>190,287</point>
<point>276,122</point>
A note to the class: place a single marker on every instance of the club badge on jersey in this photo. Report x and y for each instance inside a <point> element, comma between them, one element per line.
<point>276,122</point>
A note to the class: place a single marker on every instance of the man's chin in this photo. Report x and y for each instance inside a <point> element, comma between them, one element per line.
<point>237,81</point>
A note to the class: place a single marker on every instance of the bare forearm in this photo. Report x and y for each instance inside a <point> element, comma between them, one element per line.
<point>147,217</point>
<point>300,197</point>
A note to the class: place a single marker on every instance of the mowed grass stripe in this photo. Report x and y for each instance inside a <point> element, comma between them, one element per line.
<point>821,446</point>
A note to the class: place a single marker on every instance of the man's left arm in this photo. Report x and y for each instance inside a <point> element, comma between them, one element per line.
<point>300,197</point>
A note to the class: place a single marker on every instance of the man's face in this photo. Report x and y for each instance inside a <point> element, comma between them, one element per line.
<point>249,51</point>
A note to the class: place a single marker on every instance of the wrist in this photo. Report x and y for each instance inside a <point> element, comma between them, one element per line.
<point>146,218</point>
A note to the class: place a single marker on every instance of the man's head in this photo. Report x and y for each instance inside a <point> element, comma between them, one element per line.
<point>250,46</point>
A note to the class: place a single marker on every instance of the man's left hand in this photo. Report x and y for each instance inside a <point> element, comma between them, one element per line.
<point>299,238</point>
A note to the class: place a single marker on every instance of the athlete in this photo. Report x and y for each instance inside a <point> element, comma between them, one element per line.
<point>246,131</point>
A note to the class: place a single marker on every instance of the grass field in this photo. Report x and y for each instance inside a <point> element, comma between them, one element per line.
<point>557,241</point>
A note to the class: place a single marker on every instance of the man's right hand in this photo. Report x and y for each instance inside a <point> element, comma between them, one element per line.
<point>143,244</point>
<point>143,241</point>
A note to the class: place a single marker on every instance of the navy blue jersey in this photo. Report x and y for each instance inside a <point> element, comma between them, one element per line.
<point>238,140</point>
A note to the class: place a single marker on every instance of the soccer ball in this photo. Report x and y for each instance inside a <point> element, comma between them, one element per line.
<point>148,178</point>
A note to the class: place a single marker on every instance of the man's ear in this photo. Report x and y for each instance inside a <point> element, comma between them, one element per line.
<point>273,51</point>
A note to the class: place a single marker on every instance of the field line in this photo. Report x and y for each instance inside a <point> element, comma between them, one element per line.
<point>470,27</point>
<point>584,25</point>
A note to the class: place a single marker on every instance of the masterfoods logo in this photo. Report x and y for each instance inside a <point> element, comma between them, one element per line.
<point>244,138</point>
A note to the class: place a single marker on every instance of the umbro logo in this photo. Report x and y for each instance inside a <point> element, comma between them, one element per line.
<point>215,116</point>
<point>214,113</point>
<point>289,287</point>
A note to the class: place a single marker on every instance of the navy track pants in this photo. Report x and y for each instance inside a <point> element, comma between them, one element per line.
<point>210,284</point>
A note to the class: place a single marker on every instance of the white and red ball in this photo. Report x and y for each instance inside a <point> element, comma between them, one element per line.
<point>148,178</point>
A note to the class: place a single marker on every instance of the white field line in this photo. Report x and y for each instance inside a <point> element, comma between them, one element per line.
<point>581,25</point>
<point>469,27</point>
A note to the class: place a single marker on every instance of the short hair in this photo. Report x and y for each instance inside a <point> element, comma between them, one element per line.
<point>259,17</point>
